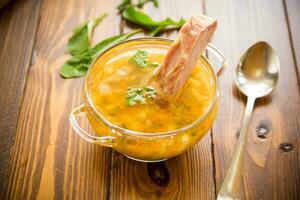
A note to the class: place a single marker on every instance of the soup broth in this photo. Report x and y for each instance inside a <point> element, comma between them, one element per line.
<point>115,72</point>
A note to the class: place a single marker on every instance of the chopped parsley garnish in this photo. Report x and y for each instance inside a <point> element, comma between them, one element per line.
<point>140,58</point>
<point>154,64</point>
<point>135,95</point>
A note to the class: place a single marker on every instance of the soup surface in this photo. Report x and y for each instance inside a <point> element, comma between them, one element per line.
<point>116,72</point>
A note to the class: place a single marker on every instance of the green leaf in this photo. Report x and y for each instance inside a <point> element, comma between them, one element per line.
<point>80,41</point>
<point>78,65</point>
<point>123,5</point>
<point>127,3</point>
<point>135,95</point>
<point>107,43</point>
<point>135,16</point>
<point>155,3</point>
<point>156,31</point>
<point>141,3</point>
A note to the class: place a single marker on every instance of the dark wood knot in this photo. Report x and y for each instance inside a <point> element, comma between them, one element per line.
<point>263,129</point>
<point>237,134</point>
<point>159,174</point>
<point>286,147</point>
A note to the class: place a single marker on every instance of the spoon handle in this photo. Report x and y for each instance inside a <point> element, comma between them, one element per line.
<point>231,186</point>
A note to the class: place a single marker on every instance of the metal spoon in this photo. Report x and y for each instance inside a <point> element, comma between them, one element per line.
<point>256,76</point>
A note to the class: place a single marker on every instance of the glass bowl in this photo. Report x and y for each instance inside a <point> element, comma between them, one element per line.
<point>142,146</point>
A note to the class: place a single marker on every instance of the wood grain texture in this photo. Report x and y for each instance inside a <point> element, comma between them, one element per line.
<point>3,2</point>
<point>48,160</point>
<point>18,24</point>
<point>189,176</point>
<point>293,15</point>
<point>272,160</point>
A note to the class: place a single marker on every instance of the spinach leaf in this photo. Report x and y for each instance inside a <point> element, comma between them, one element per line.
<point>135,95</point>
<point>137,17</point>
<point>103,45</point>
<point>80,41</point>
<point>156,31</point>
<point>78,65</point>
<point>142,2</point>
<point>127,3</point>
<point>123,5</point>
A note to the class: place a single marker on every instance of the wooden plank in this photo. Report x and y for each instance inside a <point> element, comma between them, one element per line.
<point>272,159</point>
<point>189,176</point>
<point>48,160</point>
<point>18,24</point>
<point>293,14</point>
<point>3,2</point>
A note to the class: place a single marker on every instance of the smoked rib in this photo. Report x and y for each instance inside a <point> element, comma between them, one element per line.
<point>184,53</point>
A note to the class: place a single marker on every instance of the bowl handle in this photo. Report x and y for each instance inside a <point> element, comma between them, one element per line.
<point>212,49</point>
<point>80,111</point>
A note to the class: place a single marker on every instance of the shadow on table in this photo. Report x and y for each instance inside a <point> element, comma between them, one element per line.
<point>176,178</point>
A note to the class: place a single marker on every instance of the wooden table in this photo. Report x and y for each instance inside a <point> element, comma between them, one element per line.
<point>41,157</point>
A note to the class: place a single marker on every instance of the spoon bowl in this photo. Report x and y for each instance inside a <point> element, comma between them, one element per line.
<point>257,71</point>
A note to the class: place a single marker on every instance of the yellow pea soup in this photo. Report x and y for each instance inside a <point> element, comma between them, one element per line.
<point>108,82</point>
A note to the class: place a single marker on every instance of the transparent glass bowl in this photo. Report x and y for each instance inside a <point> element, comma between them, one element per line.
<point>142,146</point>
